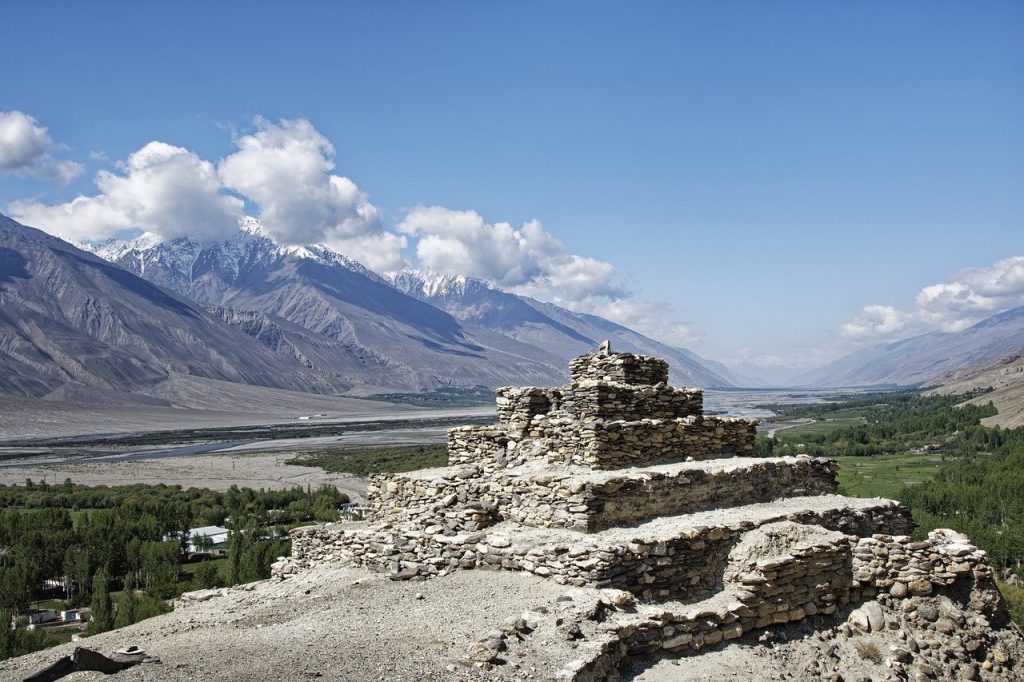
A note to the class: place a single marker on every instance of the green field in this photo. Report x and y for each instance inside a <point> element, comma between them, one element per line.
<point>884,475</point>
<point>375,460</point>
<point>830,421</point>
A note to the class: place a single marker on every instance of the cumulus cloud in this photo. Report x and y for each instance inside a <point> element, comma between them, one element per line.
<point>527,260</point>
<point>160,188</point>
<point>285,168</point>
<point>286,171</point>
<point>378,251</point>
<point>972,295</point>
<point>26,148</point>
<point>878,320</point>
<point>655,319</point>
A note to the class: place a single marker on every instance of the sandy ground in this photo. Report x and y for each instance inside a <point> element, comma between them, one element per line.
<point>261,464</point>
<point>331,623</point>
<point>217,472</point>
<point>44,419</point>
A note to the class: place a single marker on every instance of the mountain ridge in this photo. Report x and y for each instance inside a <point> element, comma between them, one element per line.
<point>323,308</point>
<point>70,317</point>
<point>563,332</point>
<point>915,361</point>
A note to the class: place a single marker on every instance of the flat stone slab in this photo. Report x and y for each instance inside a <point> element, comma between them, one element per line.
<point>854,510</point>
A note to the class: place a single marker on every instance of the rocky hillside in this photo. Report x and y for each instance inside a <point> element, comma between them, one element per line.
<point>68,317</point>
<point>338,622</point>
<point>408,332</point>
<point>1006,379</point>
<point>919,360</point>
<point>317,307</point>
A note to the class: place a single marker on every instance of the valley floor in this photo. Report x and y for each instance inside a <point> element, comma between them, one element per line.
<point>37,419</point>
<point>216,472</point>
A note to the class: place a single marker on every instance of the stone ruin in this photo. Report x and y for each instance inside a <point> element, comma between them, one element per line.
<point>619,482</point>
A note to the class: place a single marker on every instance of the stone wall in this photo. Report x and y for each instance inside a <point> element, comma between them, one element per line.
<point>773,590</point>
<point>589,400</point>
<point>667,564</point>
<point>517,406</point>
<point>624,368</point>
<point>593,503</point>
<point>617,444</point>
<point>471,497</point>
<point>900,566</point>
<point>484,446</point>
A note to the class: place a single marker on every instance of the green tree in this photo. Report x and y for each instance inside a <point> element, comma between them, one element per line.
<point>324,508</point>
<point>125,613</point>
<point>207,576</point>
<point>76,574</point>
<point>7,635</point>
<point>15,588</point>
<point>102,608</point>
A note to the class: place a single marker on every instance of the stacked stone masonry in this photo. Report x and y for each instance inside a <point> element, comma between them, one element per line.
<point>640,370</point>
<point>578,498</point>
<point>618,481</point>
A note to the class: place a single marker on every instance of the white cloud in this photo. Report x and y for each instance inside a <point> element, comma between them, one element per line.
<point>528,260</point>
<point>652,318</point>
<point>26,148</point>
<point>972,295</point>
<point>878,320</point>
<point>380,252</point>
<point>285,168</point>
<point>161,188</point>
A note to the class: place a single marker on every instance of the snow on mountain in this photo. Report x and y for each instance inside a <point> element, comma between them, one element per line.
<point>320,305</point>
<point>561,332</point>
<point>69,318</point>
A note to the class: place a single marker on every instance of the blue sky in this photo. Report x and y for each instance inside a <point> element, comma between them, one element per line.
<point>766,170</point>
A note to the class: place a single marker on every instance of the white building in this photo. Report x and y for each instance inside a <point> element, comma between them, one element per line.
<point>218,536</point>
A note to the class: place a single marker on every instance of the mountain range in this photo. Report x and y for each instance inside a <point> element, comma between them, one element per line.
<point>129,315</point>
<point>1005,378</point>
<point>149,316</point>
<point>920,359</point>
<point>68,317</point>
<point>559,331</point>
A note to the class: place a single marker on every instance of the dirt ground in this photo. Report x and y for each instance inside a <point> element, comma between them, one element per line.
<point>332,623</point>
<point>217,472</point>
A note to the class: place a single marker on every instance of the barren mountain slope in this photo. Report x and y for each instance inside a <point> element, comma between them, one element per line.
<point>918,360</point>
<point>316,306</point>
<point>563,333</point>
<point>1005,376</point>
<point>68,317</point>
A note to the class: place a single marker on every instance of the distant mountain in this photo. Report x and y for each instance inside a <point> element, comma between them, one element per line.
<point>333,316</point>
<point>68,317</point>
<point>561,332</point>
<point>918,360</point>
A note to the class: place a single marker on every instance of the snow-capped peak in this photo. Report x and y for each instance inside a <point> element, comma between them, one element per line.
<point>425,284</point>
<point>250,247</point>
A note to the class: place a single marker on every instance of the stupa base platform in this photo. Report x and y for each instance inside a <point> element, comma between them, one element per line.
<point>676,557</point>
<point>668,535</point>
